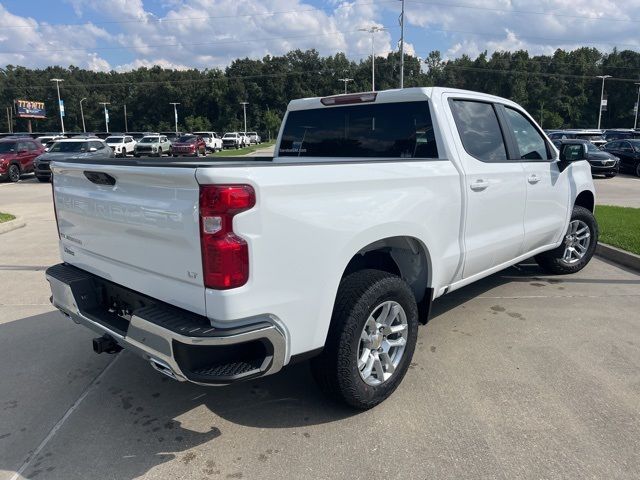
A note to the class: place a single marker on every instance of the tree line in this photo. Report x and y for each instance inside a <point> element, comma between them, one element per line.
<point>560,90</point>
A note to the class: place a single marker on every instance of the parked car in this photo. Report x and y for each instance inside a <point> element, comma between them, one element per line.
<point>233,140</point>
<point>334,249</point>
<point>254,138</point>
<point>16,157</point>
<point>155,145</point>
<point>602,162</point>
<point>189,145</point>
<point>122,145</point>
<point>620,134</point>
<point>80,148</point>
<point>593,135</point>
<point>212,139</point>
<point>628,151</point>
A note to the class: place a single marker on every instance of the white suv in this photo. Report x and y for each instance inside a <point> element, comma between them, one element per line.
<point>122,145</point>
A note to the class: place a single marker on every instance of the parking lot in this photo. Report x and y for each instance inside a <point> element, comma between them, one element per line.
<point>521,375</point>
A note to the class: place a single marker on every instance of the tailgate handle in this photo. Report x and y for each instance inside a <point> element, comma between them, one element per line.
<point>100,178</point>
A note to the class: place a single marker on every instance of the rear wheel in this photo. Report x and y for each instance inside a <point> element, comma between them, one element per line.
<point>577,248</point>
<point>14,173</point>
<point>371,340</point>
<point>44,179</point>
<point>638,169</point>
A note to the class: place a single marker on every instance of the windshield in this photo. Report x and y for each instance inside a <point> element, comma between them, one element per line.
<point>150,140</point>
<point>590,137</point>
<point>6,147</point>
<point>229,135</point>
<point>115,140</point>
<point>68,147</point>
<point>187,139</point>
<point>203,134</point>
<point>592,148</point>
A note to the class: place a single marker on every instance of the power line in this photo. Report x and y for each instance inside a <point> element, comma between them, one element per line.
<point>524,12</point>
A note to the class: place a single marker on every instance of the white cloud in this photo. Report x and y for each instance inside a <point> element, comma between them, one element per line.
<point>539,27</point>
<point>28,43</point>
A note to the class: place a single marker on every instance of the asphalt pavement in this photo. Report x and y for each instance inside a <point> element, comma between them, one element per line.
<point>622,190</point>
<point>520,375</point>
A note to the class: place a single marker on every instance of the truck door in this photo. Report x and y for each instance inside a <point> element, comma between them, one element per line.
<point>495,187</point>
<point>547,188</point>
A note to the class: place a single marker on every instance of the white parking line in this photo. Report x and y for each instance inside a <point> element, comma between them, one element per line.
<point>65,417</point>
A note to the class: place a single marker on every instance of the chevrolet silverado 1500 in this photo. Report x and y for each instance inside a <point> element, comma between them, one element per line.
<point>374,205</point>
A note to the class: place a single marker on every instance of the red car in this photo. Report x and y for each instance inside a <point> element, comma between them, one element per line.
<point>189,145</point>
<point>16,157</point>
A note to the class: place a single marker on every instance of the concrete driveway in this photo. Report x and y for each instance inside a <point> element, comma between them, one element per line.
<point>622,190</point>
<point>521,375</point>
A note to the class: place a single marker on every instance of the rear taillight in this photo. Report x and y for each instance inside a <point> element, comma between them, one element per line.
<point>225,256</point>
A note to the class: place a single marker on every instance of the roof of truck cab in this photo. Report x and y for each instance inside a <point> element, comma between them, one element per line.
<point>398,95</point>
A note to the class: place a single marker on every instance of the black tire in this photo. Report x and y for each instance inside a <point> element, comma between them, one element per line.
<point>638,170</point>
<point>336,368</point>
<point>44,179</point>
<point>610,175</point>
<point>13,174</point>
<point>552,261</point>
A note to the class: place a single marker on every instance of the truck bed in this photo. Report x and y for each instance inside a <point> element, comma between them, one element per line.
<point>181,162</point>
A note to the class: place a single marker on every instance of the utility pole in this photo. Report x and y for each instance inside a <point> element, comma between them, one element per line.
<point>635,123</point>
<point>106,114</point>
<point>244,108</point>
<point>60,103</point>
<point>9,121</point>
<point>402,46</point>
<point>345,80</point>
<point>84,128</point>
<point>603,77</point>
<point>372,30</point>
<point>541,113</point>
<point>175,112</point>
<point>126,128</point>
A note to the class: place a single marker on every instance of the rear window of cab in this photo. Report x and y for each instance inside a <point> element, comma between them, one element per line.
<point>384,130</point>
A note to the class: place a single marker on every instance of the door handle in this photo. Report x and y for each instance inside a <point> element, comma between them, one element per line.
<point>479,185</point>
<point>533,179</point>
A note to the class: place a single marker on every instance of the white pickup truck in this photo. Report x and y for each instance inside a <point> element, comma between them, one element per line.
<point>375,204</point>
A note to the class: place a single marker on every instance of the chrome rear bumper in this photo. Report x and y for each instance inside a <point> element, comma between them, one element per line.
<point>176,342</point>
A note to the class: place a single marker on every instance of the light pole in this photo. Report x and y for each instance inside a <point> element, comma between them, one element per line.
<point>603,77</point>
<point>60,104</point>
<point>635,122</point>
<point>175,112</point>
<point>244,109</point>
<point>402,45</point>
<point>372,30</point>
<point>126,127</point>
<point>84,128</point>
<point>106,114</point>
<point>345,80</point>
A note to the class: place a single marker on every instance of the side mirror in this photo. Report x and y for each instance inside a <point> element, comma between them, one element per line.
<point>571,152</point>
<point>93,149</point>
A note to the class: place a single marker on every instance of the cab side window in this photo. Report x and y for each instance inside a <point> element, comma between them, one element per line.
<point>479,130</point>
<point>530,142</point>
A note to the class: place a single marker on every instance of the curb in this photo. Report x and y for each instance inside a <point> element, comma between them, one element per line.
<point>621,257</point>
<point>12,225</point>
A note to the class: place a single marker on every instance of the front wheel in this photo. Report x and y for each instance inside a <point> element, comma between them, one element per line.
<point>577,248</point>
<point>44,179</point>
<point>371,339</point>
<point>638,170</point>
<point>14,173</point>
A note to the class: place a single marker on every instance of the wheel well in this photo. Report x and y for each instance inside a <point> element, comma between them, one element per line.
<point>405,257</point>
<point>585,199</point>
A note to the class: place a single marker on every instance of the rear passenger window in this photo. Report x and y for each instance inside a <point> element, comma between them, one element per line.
<point>531,144</point>
<point>479,130</point>
<point>384,130</point>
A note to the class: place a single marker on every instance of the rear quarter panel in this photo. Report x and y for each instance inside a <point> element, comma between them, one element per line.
<point>311,219</point>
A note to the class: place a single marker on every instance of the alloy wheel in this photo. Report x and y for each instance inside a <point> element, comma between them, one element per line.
<point>576,242</point>
<point>382,343</point>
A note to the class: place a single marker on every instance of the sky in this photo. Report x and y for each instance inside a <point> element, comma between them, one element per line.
<point>121,35</point>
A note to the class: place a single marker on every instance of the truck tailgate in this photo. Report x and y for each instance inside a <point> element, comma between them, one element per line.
<point>137,226</point>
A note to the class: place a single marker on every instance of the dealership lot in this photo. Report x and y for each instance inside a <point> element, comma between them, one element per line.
<point>519,375</point>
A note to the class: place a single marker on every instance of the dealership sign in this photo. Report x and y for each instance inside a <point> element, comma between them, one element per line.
<point>30,109</point>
